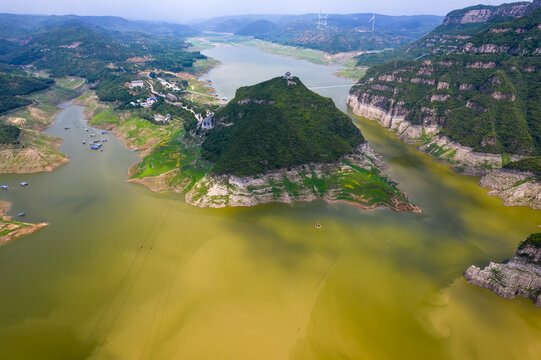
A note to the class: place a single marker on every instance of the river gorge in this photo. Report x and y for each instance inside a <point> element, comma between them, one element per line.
<point>125,273</point>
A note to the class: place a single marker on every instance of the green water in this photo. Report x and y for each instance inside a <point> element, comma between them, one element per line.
<point>123,273</point>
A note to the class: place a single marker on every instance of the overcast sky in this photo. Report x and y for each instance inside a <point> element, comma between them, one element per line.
<point>183,10</point>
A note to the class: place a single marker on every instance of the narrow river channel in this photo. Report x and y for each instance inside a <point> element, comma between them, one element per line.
<point>123,273</point>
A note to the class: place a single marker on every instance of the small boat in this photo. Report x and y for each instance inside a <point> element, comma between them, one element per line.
<point>135,149</point>
<point>95,147</point>
<point>92,135</point>
<point>24,183</point>
<point>66,128</point>
<point>5,187</point>
<point>22,214</point>
<point>318,226</point>
<point>86,129</point>
<point>105,132</point>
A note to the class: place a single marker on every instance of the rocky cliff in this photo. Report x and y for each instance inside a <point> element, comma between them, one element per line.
<point>484,13</point>
<point>474,107</point>
<point>355,180</point>
<point>516,188</point>
<point>519,277</point>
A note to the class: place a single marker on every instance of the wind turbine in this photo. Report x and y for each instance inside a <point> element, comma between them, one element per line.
<point>373,20</point>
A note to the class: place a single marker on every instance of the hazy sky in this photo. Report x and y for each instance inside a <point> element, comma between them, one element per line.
<point>183,10</point>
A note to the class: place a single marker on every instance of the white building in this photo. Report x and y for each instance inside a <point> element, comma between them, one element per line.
<point>137,83</point>
<point>208,122</point>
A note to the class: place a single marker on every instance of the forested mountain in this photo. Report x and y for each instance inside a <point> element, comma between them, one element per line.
<point>277,124</point>
<point>482,90</point>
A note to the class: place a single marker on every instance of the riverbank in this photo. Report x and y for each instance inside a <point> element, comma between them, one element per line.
<point>10,229</point>
<point>515,188</point>
<point>318,57</point>
<point>35,150</point>
<point>38,152</point>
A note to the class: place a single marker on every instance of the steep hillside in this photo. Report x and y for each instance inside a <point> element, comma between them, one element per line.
<point>486,95</point>
<point>277,124</point>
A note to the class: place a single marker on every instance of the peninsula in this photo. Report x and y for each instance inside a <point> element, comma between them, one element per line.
<point>277,141</point>
<point>10,229</point>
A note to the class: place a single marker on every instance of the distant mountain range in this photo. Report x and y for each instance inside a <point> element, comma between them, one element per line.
<point>351,32</point>
<point>17,26</point>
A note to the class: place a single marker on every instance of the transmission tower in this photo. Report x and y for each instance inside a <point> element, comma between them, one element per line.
<point>322,21</point>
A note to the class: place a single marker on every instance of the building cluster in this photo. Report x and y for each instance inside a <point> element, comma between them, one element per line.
<point>146,104</point>
<point>166,84</point>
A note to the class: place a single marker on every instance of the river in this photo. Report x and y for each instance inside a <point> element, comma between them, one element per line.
<point>123,273</point>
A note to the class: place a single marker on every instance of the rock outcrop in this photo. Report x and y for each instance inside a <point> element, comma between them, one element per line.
<point>483,13</point>
<point>392,116</point>
<point>519,277</point>
<point>516,188</point>
<point>347,181</point>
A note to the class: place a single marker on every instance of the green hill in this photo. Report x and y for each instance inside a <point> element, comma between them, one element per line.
<point>485,95</point>
<point>257,28</point>
<point>277,124</point>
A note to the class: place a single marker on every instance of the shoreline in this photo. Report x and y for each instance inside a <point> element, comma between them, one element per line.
<point>462,160</point>
<point>11,230</point>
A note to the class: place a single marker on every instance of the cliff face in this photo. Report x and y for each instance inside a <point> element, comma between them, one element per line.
<point>516,188</point>
<point>519,277</point>
<point>475,103</point>
<point>355,180</point>
<point>482,13</point>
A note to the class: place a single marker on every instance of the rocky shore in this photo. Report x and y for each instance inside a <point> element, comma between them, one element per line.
<point>298,184</point>
<point>519,277</point>
<point>514,187</point>
<point>445,150</point>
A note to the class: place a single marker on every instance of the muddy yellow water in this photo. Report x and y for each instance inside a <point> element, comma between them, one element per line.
<point>123,273</point>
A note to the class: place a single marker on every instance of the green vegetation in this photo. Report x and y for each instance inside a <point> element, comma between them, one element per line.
<point>532,240</point>
<point>9,133</point>
<point>277,124</point>
<point>107,117</point>
<point>530,164</point>
<point>13,86</point>
<point>452,35</point>
<point>173,153</point>
<point>351,70</point>
<point>490,102</point>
